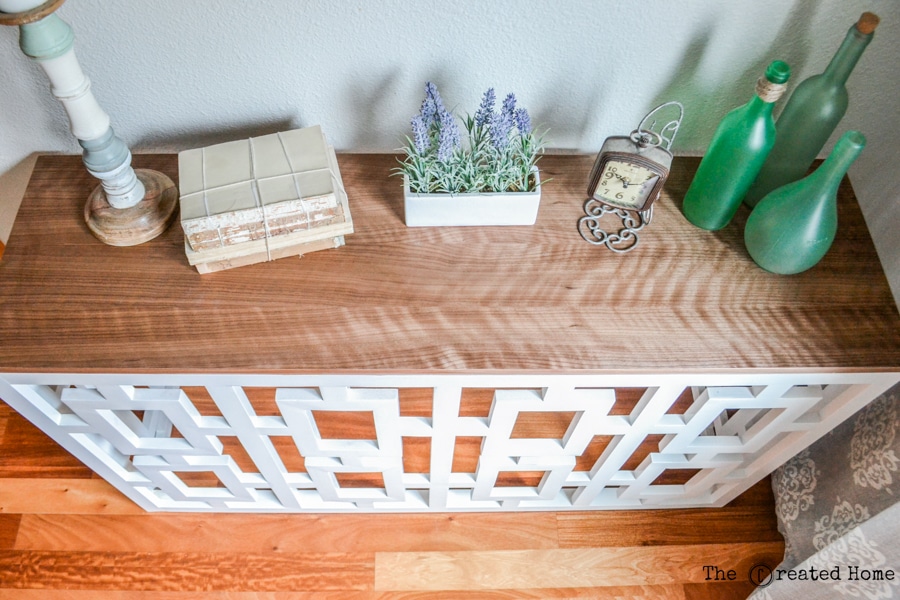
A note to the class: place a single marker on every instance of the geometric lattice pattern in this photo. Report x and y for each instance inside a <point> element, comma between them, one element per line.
<point>571,444</point>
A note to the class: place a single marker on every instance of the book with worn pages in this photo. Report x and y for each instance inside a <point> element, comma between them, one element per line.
<point>258,199</point>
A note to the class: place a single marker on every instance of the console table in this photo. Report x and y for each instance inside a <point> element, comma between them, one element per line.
<point>436,369</point>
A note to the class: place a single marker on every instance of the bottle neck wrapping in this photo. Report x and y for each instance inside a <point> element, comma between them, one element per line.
<point>768,91</point>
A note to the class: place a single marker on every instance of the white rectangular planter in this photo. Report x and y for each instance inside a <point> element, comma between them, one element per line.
<point>435,210</point>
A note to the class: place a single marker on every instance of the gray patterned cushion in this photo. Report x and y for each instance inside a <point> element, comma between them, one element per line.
<point>841,481</point>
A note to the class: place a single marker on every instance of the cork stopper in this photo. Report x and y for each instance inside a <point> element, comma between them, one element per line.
<point>867,23</point>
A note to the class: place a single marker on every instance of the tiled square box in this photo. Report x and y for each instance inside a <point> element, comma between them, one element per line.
<point>262,198</point>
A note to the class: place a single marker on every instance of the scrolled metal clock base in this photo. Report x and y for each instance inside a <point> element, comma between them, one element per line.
<point>623,239</point>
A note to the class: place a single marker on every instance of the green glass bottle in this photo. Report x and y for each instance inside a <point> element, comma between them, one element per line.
<point>811,115</point>
<point>792,228</point>
<point>736,154</point>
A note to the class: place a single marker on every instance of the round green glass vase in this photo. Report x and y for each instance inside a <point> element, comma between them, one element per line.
<point>792,228</point>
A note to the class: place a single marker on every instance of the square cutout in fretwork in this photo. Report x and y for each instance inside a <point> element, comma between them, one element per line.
<point>345,425</point>
<point>169,423</point>
<point>466,453</point>
<point>199,479</point>
<point>675,476</point>
<point>416,402</point>
<point>360,480</point>
<point>542,425</point>
<point>681,405</point>
<point>289,454</point>
<point>592,453</point>
<point>416,454</point>
<point>650,444</point>
<point>232,447</point>
<point>189,477</point>
<point>476,402</point>
<point>626,401</point>
<point>519,478</point>
<point>263,401</point>
<point>201,399</point>
<point>737,422</point>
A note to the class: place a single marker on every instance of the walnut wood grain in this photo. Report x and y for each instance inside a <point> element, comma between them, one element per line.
<point>9,529</point>
<point>465,300</point>
<point>25,451</point>
<point>198,572</point>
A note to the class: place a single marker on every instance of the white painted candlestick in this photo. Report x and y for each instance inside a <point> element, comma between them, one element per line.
<point>128,207</point>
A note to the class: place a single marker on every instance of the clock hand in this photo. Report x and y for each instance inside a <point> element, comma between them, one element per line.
<point>625,181</point>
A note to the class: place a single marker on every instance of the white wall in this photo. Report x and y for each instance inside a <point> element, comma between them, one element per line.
<point>175,74</point>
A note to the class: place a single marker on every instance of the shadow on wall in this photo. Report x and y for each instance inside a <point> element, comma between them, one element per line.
<point>569,119</point>
<point>200,138</point>
<point>791,44</point>
<point>368,103</point>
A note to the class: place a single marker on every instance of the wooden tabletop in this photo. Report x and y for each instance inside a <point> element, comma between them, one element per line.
<point>451,300</point>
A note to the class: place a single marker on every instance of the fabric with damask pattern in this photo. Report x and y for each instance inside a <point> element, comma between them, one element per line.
<point>869,547</point>
<point>836,507</point>
<point>841,481</point>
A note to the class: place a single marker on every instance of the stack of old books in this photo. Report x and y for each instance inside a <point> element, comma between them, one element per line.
<point>259,199</point>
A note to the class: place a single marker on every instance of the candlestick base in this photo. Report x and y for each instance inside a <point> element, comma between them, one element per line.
<point>137,224</point>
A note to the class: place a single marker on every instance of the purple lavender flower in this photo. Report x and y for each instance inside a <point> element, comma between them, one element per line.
<point>420,134</point>
<point>486,109</point>
<point>501,124</point>
<point>432,105</point>
<point>449,136</point>
<point>523,121</point>
<point>509,106</point>
<point>432,91</point>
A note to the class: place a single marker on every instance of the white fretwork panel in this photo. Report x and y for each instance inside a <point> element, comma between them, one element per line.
<point>152,442</point>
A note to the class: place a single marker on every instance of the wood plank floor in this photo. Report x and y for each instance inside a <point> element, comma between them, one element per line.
<point>65,534</point>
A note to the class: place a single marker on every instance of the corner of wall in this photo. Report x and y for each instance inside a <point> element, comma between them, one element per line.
<point>12,187</point>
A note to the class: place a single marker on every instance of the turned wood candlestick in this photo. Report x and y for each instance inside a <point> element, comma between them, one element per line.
<point>128,207</point>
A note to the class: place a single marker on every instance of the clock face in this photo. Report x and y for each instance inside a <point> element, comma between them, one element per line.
<point>626,184</point>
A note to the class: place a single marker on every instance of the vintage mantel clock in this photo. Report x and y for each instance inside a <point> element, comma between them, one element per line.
<point>627,177</point>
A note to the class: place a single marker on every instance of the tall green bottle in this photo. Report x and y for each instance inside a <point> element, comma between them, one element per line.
<point>792,228</point>
<point>811,115</point>
<point>736,154</point>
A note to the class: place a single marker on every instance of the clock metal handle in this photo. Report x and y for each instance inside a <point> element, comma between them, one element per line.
<point>654,138</point>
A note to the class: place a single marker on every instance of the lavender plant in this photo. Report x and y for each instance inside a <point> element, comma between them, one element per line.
<point>499,154</point>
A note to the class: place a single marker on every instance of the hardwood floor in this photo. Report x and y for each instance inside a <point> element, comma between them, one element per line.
<point>65,534</point>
